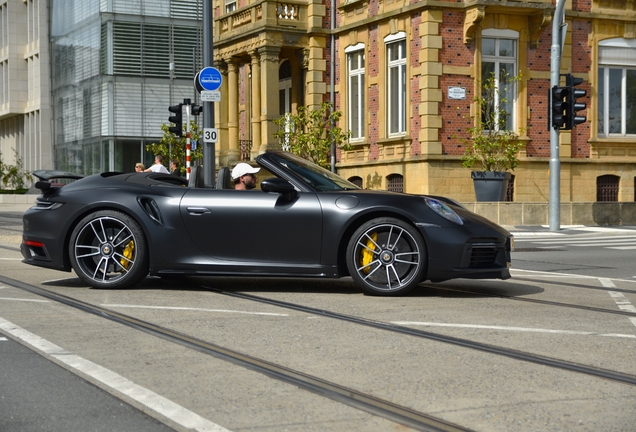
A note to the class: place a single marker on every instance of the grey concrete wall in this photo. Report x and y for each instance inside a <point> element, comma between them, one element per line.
<point>591,214</point>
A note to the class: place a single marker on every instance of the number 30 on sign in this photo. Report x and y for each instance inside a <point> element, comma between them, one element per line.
<point>210,135</point>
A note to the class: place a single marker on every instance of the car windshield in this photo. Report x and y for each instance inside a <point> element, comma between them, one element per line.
<point>315,176</point>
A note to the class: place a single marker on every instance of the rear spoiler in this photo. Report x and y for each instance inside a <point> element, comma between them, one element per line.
<point>46,176</point>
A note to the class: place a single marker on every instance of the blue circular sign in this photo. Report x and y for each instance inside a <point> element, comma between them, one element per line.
<point>210,78</point>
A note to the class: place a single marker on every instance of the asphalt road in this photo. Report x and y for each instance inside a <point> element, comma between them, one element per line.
<point>565,305</point>
<point>590,251</point>
<point>38,395</point>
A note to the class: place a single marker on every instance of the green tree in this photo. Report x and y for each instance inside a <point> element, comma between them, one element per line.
<point>491,146</point>
<point>173,147</point>
<point>309,133</point>
<point>13,176</point>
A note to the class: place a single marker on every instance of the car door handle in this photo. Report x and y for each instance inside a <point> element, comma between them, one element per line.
<point>198,210</point>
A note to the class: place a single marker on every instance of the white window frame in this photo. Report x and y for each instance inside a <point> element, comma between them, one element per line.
<point>230,6</point>
<point>356,104</point>
<point>498,60</point>
<point>614,61</point>
<point>396,41</point>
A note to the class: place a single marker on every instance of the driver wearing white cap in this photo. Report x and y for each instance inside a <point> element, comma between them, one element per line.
<point>244,176</point>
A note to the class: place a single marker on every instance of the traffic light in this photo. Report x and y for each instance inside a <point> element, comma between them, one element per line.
<point>177,129</point>
<point>196,109</point>
<point>575,106</point>
<point>559,106</point>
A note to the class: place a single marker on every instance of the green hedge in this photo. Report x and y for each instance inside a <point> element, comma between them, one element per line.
<point>13,191</point>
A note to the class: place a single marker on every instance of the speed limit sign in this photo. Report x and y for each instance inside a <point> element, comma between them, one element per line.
<point>210,135</point>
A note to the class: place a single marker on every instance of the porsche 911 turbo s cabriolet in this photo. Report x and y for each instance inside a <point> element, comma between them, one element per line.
<point>114,229</point>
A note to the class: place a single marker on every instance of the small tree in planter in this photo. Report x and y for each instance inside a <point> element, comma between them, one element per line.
<point>491,149</point>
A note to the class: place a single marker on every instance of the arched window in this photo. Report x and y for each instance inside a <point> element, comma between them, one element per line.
<point>356,181</point>
<point>607,188</point>
<point>395,183</point>
<point>510,192</point>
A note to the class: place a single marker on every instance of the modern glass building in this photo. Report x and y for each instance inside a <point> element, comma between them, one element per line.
<point>116,67</point>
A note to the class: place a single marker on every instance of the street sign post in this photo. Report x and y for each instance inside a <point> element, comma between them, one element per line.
<point>210,135</point>
<point>210,96</point>
<point>210,78</point>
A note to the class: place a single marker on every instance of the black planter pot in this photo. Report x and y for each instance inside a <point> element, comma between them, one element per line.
<point>490,185</point>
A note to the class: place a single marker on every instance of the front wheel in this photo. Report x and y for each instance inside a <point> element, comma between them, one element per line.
<point>108,250</point>
<point>386,256</point>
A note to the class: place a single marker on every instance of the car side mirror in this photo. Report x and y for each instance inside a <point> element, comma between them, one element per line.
<point>279,186</point>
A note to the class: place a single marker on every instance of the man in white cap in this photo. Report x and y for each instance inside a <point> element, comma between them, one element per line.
<point>244,176</point>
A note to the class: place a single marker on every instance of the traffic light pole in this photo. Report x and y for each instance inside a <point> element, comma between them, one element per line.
<point>554,210</point>
<point>209,149</point>
<point>186,102</point>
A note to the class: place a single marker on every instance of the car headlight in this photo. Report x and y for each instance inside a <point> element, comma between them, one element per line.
<point>443,210</point>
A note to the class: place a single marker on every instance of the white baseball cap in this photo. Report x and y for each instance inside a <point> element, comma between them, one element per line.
<point>242,169</point>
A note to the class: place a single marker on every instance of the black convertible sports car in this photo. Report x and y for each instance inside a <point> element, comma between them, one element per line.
<point>114,229</point>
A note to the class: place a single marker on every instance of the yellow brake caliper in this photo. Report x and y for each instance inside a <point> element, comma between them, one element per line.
<point>128,253</point>
<point>368,252</point>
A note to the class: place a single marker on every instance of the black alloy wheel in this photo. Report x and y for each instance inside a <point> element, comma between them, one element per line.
<point>108,250</point>
<point>387,256</point>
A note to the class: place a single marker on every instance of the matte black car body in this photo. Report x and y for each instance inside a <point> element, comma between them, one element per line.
<point>290,227</point>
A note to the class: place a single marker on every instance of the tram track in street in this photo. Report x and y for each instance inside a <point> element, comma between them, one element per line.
<point>351,397</point>
<point>506,352</point>
<point>537,301</point>
<point>575,285</point>
<point>379,325</point>
<point>365,402</point>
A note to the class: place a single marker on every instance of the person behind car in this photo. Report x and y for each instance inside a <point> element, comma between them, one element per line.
<point>139,167</point>
<point>174,167</point>
<point>158,166</point>
<point>244,176</point>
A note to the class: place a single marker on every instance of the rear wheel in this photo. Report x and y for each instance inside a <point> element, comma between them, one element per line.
<point>386,256</point>
<point>108,250</point>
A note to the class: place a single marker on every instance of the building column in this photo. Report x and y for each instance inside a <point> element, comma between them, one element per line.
<point>256,101</point>
<point>269,109</point>
<point>316,68</point>
<point>430,91</point>
<point>220,111</point>
<point>232,110</point>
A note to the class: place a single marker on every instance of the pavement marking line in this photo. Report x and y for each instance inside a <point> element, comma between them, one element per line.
<point>142,395</point>
<point>11,259</point>
<point>192,309</point>
<point>573,276</point>
<point>25,300</point>
<point>3,339</point>
<point>619,298</point>
<point>607,283</point>
<point>589,245</point>
<point>521,329</point>
<point>588,240</point>
<point>623,247</point>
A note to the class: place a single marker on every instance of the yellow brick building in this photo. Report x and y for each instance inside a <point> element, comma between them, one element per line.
<point>404,74</point>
